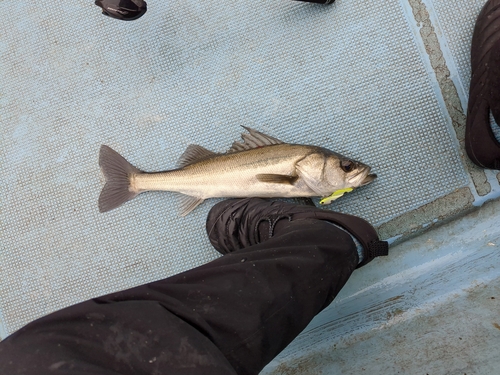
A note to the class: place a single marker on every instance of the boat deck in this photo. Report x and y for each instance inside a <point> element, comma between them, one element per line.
<point>384,82</point>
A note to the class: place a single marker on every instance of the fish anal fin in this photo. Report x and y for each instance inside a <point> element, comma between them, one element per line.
<point>193,154</point>
<point>254,139</point>
<point>276,178</point>
<point>188,203</point>
<point>117,172</point>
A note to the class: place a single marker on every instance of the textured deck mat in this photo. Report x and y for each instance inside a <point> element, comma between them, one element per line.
<point>348,77</point>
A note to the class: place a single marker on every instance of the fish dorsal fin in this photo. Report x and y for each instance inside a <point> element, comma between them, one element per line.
<point>193,154</point>
<point>254,139</point>
<point>188,203</point>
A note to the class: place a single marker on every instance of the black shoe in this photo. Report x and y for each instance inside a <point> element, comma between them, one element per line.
<point>238,223</point>
<point>125,10</point>
<point>484,95</point>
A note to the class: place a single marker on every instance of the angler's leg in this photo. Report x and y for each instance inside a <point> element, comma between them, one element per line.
<point>237,312</point>
<point>253,302</point>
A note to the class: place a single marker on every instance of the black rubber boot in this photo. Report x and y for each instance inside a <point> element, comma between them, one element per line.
<point>239,223</point>
<point>484,95</point>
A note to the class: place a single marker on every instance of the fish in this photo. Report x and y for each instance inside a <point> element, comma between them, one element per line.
<point>260,166</point>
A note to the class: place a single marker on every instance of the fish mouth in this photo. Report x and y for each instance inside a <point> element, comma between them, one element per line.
<point>363,177</point>
<point>368,178</point>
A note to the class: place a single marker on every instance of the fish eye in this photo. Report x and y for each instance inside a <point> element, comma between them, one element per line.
<point>347,166</point>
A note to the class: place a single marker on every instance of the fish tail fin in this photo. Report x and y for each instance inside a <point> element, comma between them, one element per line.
<point>117,172</point>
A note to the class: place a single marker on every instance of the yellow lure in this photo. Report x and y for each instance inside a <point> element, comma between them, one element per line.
<point>335,195</point>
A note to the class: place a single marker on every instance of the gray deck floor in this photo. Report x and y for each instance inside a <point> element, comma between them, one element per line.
<point>381,81</point>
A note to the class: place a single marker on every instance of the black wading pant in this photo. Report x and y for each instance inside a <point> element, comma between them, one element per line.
<point>230,316</point>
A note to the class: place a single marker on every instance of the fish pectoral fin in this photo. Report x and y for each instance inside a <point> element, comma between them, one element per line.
<point>277,178</point>
<point>194,154</point>
<point>188,203</point>
<point>254,139</point>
